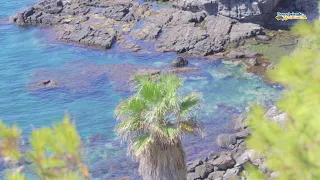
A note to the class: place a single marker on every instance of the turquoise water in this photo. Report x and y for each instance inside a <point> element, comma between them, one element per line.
<point>24,52</point>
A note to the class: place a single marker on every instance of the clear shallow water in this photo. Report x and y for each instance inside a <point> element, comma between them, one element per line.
<point>227,89</point>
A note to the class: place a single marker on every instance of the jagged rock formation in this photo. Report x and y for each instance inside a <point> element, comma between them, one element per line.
<point>257,11</point>
<point>100,24</point>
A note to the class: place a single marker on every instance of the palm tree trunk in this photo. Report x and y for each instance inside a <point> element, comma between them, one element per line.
<point>163,163</point>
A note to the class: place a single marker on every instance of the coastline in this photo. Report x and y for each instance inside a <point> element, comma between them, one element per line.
<point>238,146</point>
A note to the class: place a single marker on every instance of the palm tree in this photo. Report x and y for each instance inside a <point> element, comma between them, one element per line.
<point>153,122</point>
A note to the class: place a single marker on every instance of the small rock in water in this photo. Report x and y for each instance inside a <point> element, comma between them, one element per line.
<point>225,140</point>
<point>263,37</point>
<point>179,62</point>
<point>48,83</point>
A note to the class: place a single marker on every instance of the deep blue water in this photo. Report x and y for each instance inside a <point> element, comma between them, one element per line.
<point>226,87</point>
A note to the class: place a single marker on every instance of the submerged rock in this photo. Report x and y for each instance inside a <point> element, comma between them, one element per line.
<point>87,74</point>
<point>47,84</point>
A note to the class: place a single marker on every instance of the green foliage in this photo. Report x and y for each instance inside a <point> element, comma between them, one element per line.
<point>54,154</point>
<point>153,122</point>
<point>293,150</point>
<point>9,142</point>
<point>16,176</point>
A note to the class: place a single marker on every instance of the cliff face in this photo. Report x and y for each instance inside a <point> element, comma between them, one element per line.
<point>256,11</point>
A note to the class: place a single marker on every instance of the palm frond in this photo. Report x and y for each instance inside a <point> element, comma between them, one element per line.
<point>191,126</point>
<point>189,102</point>
<point>140,144</point>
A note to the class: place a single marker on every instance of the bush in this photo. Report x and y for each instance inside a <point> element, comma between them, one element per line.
<point>293,150</point>
<point>54,154</point>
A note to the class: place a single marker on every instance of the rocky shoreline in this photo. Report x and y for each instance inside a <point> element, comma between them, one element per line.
<point>136,27</point>
<point>229,164</point>
<point>102,24</point>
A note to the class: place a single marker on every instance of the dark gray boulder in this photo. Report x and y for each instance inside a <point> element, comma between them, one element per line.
<point>225,140</point>
<point>179,62</point>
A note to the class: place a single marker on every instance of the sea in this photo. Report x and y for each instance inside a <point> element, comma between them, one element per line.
<point>26,52</point>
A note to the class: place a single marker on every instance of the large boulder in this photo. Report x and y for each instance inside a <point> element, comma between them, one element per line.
<point>231,173</point>
<point>204,170</point>
<point>276,115</point>
<point>225,140</point>
<point>224,161</point>
<point>192,165</point>
<point>216,175</point>
<point>239,122</point>
<point>193,176</point>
